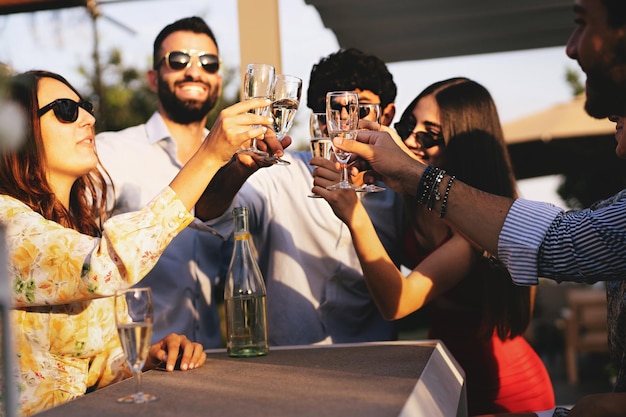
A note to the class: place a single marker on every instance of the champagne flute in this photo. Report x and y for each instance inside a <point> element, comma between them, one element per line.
<point>320,143</point>
<point>286,93</point>
<point>134,319</point>
<point>370,112</point>
<point>257,83</point>
<point>342,117</point>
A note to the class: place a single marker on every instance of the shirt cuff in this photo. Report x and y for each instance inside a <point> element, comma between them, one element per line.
<point>221,226</point>
<point>521,236</point>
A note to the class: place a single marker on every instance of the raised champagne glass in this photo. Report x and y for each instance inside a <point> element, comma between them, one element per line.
<point>285,96</point>
<point>257,83</point>
<point>342,118</point>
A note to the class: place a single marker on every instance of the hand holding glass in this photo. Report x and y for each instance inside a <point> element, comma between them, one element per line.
<point>134,319</point>
<point>342,117</point>
<point>257,83</point>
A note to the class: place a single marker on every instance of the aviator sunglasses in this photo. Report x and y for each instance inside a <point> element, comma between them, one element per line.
<point>66,109</point>
<point>426,139</point>
<point>178,60</point>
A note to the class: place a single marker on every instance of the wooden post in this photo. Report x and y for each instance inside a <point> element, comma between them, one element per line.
<point>259,34</point>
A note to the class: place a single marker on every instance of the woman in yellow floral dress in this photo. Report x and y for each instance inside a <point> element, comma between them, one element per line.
<point>66,259</point>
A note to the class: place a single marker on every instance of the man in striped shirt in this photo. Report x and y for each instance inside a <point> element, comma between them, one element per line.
<point>538,239</point>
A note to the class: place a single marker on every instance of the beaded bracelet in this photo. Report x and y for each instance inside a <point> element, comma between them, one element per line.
<point>434,192</point>
<point>444,202</point>
<point>425,184</point>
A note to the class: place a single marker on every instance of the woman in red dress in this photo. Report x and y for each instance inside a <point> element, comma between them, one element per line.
<point>479,315</point>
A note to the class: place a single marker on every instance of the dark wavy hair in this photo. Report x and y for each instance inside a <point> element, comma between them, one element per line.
<point>476,153</point>
<point>193,24</point>
<point>23,171</point>
<point>350,69</point>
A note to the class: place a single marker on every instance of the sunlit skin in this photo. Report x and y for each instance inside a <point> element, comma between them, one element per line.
<point>69,147</point>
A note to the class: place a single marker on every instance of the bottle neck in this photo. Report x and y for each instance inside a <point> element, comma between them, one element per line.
<point>240,236</point>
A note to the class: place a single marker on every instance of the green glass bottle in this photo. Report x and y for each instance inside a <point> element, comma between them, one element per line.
<point>245,296</point>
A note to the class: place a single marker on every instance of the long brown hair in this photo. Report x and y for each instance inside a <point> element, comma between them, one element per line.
<point>23,170</point>
<point>476,154</point>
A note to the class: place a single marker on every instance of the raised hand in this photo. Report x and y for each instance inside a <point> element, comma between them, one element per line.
<point>399,168</point>
<point>343,202</point>
<point>235,127</point>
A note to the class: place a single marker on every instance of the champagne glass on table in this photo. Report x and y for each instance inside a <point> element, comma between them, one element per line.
<point>342,117</point>
<point>285,96</point>
<point>370,112</point>
<point>134,319</point>
<point>257,83</point>
<point>320,142</point>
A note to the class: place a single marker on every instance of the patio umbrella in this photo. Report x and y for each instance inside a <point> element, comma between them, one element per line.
<point>563,121</point>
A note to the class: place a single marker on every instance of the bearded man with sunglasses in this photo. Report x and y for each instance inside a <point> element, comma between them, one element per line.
<point>142,159</point>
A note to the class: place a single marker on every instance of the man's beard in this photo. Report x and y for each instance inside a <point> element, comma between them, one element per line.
<point>606,85</point>
<point>184,112</point>
<point>606,96</point>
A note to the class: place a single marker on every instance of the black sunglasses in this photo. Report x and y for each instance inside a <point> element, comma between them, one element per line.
<point>366,109</point>
<point>426,139</point>
<point>66,109</point>
<point>178,60</point>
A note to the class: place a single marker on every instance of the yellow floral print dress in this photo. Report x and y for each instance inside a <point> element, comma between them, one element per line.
<point>66,339</point>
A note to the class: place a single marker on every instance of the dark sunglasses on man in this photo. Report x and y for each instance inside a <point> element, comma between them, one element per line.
<point>426,139</point>
<point>179,60</point>
<point>365,110</point>
<point>66,109</point>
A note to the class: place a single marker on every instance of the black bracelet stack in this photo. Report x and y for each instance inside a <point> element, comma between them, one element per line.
<point>428,188</point>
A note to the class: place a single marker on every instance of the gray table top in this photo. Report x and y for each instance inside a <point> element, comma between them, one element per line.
<point>337,380</point>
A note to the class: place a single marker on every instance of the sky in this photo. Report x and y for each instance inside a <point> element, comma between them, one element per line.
<point>521,83</point>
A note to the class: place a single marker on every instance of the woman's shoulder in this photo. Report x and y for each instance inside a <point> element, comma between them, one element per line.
<point>12,206</point>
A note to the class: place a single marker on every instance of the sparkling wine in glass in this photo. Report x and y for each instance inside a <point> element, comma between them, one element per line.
<point>134,319</point>
<point>320,142</point>
<point>371,112</point>
<point>286,93</point>
<point>257,83</point>
<point>342,118</point>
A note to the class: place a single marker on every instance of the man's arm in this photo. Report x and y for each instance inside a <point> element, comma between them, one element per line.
<point>224,186</point>
<point>221,191</point>
<point>479,216</point>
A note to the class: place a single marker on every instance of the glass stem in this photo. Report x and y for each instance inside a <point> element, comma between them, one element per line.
<point>138,393</point>
<point>344,174</point>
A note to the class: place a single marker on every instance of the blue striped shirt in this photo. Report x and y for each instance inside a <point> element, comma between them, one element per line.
<point>541,240</point>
